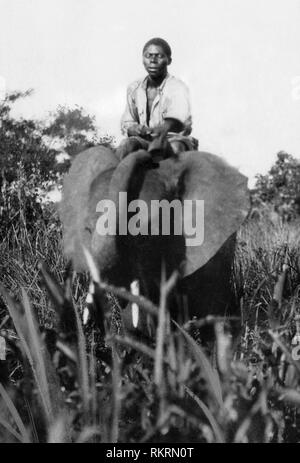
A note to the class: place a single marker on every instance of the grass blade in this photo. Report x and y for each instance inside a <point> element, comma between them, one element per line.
<point>15,414</point>
<point>11,430</point>
<point>116,397</point>
<point>37,349</point>
<point>214,425</point>
<point>212,378</point>
<point>21,326</point>
<point>83,365</point>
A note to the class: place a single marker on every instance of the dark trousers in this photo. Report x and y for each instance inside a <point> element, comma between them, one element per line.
<point>176,144</point>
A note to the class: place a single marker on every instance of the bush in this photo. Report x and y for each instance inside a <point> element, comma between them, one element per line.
<point>280,187</point>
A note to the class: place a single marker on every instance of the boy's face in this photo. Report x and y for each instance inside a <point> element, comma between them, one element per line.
<point>156,61</point>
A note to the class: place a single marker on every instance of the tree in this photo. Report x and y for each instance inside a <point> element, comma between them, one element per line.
<point>27,166</point>
<point>280,187</point>
<point>28,157</point>
<point>75,130</point>
<point>22,145</point>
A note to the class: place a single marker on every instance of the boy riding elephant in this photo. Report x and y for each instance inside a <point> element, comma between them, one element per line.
<point>158,114</point>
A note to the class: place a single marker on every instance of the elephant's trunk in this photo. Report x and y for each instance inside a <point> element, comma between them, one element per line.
<point>128,175</point>
<point>127,178</point>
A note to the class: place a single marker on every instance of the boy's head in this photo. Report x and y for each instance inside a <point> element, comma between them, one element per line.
<point>157,55</point>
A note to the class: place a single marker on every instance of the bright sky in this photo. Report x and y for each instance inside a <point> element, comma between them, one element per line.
<point>240,59</point>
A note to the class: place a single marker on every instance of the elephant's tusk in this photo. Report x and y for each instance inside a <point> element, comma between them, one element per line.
<point>135,290</point>
<point>89,300</point>
<point>86,314</point>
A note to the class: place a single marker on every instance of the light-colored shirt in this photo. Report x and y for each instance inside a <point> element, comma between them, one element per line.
<point>172,101</point>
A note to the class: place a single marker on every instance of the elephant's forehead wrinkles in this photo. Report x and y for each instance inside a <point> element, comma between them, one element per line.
<point>154,187</point>
<point>170,171</point>
<point>159,183</point>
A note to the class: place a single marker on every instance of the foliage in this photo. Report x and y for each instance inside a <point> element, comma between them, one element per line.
<point>27,165</point>
<point>75,129</point>
<point>22,145</point>
<point>169,389</point>
<point>28,160</point>
<point>280,187</point>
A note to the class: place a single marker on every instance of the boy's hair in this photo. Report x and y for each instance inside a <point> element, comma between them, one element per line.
<point>161,43</point>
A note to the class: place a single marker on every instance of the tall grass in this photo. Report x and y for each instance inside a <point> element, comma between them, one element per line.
<point>72,385</point>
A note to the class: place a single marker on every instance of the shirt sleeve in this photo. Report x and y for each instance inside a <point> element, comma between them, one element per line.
<point>177,105</point>
<point>130,116</point>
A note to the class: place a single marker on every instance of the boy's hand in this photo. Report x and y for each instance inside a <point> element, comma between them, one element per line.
<point>158,148</point>
<point>138,131</point>
<point>158,144</point>
<point>157,131</point>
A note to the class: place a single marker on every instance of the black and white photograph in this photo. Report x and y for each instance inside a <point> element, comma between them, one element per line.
<point>149,224</point>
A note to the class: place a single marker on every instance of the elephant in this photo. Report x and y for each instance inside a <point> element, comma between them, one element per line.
<point>204,268</point>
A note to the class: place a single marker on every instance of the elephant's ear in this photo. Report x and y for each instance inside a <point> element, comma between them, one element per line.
<point>75,210</point>
<point>223,190</point>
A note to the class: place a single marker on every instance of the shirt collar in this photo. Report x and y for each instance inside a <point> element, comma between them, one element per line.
<point>144,82</point>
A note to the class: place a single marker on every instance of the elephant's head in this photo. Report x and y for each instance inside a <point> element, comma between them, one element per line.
<point>97,175</point>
